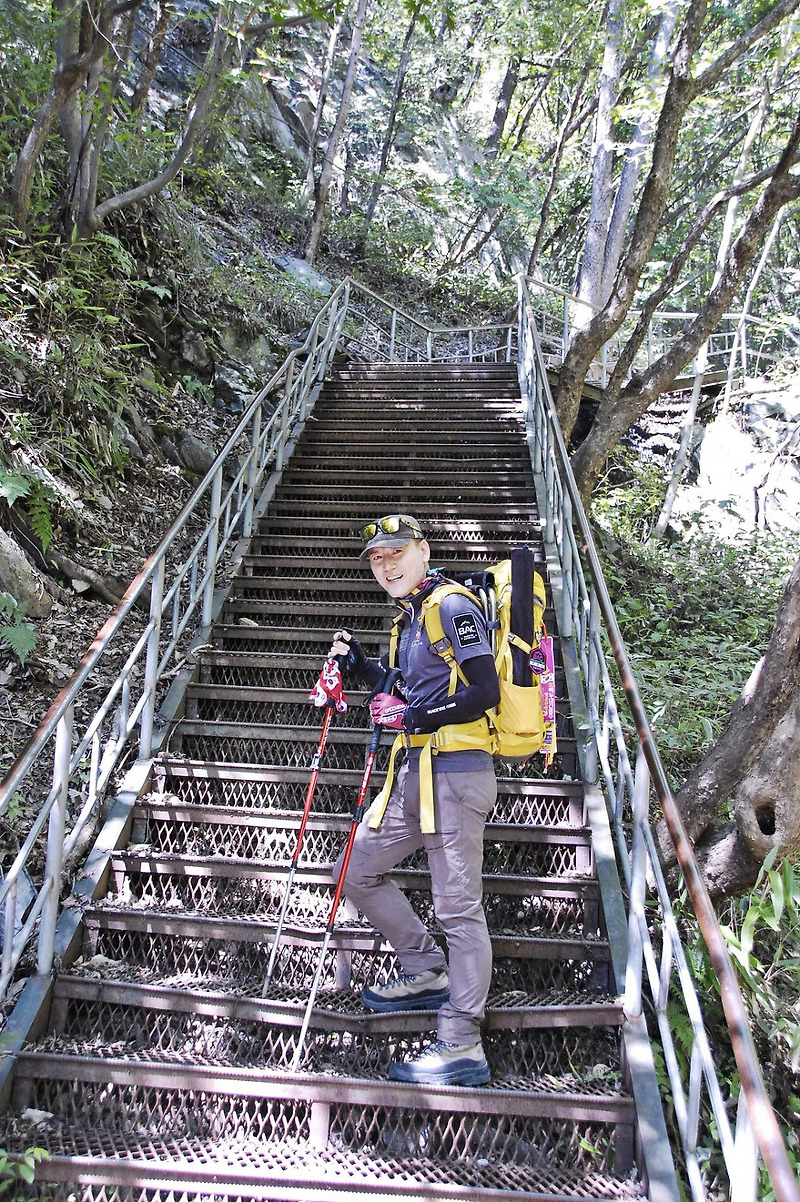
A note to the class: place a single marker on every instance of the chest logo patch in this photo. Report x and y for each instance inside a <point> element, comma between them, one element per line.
<point>466,629</point>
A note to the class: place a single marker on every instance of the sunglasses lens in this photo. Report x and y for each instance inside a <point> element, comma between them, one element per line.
<point>390,525</point>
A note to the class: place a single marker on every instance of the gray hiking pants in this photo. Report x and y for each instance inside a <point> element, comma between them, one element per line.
<point>455,858</point>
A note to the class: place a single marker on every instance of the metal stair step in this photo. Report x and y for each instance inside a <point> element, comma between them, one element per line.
<point>229,1126</point>
<point>240,743</point>
<point>78,999</point>
<point>270,836</point>
<point>523,803</point>
<point>228,954</point>
<point>560,1042</point>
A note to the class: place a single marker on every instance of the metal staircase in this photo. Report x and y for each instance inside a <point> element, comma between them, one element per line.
<point>162,1067</point>
<point>140,1052</point>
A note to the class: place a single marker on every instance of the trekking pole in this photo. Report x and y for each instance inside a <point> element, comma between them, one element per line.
<point>310,791</point>
<point>358,814</point>
<point>316,761</point>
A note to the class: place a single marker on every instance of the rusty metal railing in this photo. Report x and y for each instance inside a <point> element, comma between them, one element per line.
<point>698,1102</point>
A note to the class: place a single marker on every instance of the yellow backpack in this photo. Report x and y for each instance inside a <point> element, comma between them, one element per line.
<point>512,596</point>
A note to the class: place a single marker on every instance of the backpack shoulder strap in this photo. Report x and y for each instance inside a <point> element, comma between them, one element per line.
<point>435,630</point>
<point>394,640</point>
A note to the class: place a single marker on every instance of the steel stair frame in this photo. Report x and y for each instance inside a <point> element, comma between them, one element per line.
<point>132,786</point>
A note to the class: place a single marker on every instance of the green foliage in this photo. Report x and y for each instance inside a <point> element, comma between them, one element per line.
<point>762,933</point>
<point>695,616</point>
<point>17,1172</point>
<point>39,498</point>
<point>15,632</point>
<point>763,936</point>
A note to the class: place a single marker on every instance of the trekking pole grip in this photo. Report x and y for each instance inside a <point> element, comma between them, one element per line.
<point>386,686</point>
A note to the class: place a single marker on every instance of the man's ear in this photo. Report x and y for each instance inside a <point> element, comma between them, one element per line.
<point>425,548</point>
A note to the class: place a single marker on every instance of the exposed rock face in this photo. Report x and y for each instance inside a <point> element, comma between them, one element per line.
<point>748,462</point>
<point>22,580</point>
<point>304,274</point>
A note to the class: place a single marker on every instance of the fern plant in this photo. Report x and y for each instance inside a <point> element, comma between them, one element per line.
<point>23,483</point>
<point>15,632</point>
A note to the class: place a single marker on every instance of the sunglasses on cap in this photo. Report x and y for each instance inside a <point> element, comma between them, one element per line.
<point>395,523</point>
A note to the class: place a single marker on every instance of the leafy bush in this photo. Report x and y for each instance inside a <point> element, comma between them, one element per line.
<point>696,616</point>
<point>17,1173</point>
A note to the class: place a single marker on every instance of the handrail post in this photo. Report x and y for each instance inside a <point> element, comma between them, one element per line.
<point>565,329</point>
<point>565,548</point>
<point>211,548</point>
<point>392,335</point>
<point>151,661</point>
<point>469,344</point>
<point>55,843</point>
<point>633,971</point>
<point>9,926</point>
<point>429,342</point>
<point>284,420</point>
<point>252,474</point>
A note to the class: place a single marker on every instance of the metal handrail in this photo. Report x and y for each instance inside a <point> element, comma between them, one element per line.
<point>585,603</point>
<point>228,492</point>
<point>728,342</point>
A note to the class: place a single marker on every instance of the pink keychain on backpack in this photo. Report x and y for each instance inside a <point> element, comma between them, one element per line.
<point>542,662</point>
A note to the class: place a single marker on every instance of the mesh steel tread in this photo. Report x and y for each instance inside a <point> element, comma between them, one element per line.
<point>557,1053</point>
<point>521,802</point>
<point>229,957</point>
<point>271,837</point>
<point>275,746</point>
<point>505,1010</point>
<point>586,959</point>
<point>595,1098</point>
<point>112,1168</point>
<point>144,862</point>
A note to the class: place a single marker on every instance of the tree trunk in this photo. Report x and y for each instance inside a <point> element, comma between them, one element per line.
<point>218,58</point>
<point>756,762</point>
<point>682,453</point>
<point>591,274</point>
<point>682,89</point>
<point>330,57</point>
<point>326,175</point>
<point>554,169</point>
<point>388,138</point>
<point>587,341</point>
<point>155,44</point>
<point>614,418</point>
<point>68,78</point>
<point>634,157</point>
<point>491,146</point>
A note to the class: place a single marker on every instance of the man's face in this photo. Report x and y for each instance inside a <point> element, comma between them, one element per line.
<point>399,570</point>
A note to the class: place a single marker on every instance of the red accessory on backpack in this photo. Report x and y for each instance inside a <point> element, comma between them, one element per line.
<point>329,687</point>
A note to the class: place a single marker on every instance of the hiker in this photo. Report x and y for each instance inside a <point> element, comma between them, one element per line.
<point>450,830</point>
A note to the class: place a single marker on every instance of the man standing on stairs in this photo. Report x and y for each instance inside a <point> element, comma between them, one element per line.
<point>439,799</point>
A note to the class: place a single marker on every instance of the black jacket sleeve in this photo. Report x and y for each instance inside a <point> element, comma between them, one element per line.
<point>482,693</point>
<point>371,671</point>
